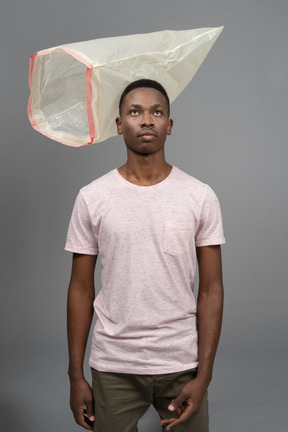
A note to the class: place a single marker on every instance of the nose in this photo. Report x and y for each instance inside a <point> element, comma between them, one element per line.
<point>147,120</point>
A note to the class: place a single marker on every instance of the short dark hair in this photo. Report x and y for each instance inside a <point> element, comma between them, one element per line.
<point>147,83</point>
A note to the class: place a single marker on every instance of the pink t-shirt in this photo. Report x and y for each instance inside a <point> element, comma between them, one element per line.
<point>146,238</point>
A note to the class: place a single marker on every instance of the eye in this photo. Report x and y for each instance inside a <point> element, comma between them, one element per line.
<point>158,113</point>
<point>134,112</point>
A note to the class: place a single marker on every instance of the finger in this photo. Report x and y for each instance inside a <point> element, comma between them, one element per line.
<point>89,411</point>
<point>80,419</point>
<point>172,406</point>
<point>88,422</point>
<point>178,401</point>
<point>180,410</point>
<point>184,417</point>
<point>167,421</point>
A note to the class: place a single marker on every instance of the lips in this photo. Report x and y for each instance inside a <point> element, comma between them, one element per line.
<point>147,132</point>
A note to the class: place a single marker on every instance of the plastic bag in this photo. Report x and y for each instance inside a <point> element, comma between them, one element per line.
<point>75,88</point>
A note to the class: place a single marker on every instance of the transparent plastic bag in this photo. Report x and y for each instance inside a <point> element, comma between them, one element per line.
<point>75,88</point>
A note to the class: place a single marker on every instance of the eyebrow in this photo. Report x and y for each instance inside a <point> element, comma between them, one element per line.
<point>140,106</point>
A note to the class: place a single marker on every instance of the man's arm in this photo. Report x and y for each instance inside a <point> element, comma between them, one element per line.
<point>209,319</point>
<point>81,294</point>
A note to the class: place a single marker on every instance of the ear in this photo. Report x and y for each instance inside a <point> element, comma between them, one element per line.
<point>119,125</point>
<point>169,127</point>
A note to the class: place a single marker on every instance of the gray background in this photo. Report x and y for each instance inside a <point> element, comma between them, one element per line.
<point>230,131</point>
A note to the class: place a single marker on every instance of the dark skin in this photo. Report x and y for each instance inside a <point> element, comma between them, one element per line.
<point>145,124</point>
<point>81,294</point>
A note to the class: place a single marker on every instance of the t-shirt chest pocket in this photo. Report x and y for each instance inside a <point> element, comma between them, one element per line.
<point>177,238</point>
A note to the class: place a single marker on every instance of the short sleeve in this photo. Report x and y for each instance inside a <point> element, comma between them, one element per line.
<point>81,237</point>
<point>210,228</point>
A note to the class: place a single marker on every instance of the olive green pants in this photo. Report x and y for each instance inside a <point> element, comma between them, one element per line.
<point>122,399</point>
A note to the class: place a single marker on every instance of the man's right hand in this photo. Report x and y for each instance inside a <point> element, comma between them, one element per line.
<point>81,403</point>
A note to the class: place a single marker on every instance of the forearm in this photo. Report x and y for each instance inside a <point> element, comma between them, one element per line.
<point>209,320</point>
<point>79,318</point>
<point>210,305</point>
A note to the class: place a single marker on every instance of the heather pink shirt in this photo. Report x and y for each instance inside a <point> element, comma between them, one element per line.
<point>146,238</point>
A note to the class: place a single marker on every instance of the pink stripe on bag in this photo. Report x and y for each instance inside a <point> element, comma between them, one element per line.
<point>32,59</point>
<point>68,51</point>
<point>89,105</point>
<point>29,109</point>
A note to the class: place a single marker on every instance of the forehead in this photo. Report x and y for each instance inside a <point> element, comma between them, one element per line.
<point>145,96</point>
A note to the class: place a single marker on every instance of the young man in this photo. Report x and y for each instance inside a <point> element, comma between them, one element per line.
<point>149,222</point>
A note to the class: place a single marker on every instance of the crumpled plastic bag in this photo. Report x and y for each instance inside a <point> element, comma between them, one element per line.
<point>75,88</point>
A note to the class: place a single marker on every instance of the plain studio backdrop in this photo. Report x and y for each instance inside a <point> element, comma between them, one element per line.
<point>230,131</point>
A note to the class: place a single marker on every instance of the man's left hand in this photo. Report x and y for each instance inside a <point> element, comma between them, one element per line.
<point>186,404</point>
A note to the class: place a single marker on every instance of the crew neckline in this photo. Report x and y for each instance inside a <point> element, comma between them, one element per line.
<point>154,186</point>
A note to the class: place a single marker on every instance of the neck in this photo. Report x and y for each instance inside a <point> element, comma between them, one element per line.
<point>145,170</point>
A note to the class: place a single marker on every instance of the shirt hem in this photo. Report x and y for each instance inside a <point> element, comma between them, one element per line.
<point>76,249</point>
<point>142,371</point>
<point>210,242</point>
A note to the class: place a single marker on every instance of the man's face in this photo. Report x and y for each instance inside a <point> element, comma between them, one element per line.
<point>144,121</point>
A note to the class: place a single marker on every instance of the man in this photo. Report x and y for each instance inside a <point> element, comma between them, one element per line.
<point>149,222</point>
